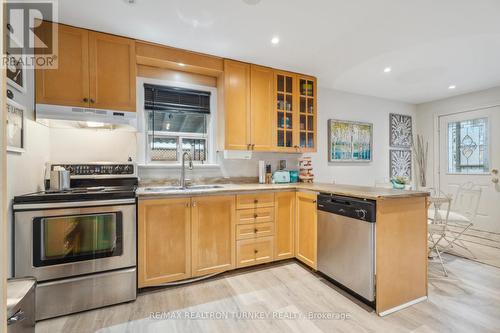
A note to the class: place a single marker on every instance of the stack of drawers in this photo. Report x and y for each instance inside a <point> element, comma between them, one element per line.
<point>254,229</point>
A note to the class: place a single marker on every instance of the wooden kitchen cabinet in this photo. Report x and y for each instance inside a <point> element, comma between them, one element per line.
<point>286,111</point>
<point>68,84</point>
<point>237,105</point>
<point>254,200</point>
<point>254,251</point>
<point>261,108</point>
<point>307,113</point>
<point>95,70</point>
<point>213,234</point>
<point>255,215</point>
<point>164,241</point>
<point>112,71</point>
<point>306,229</point>
<point>285,210</point>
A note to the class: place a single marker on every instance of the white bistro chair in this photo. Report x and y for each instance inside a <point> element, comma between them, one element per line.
<point>438,224</point>
<point>461,217</point>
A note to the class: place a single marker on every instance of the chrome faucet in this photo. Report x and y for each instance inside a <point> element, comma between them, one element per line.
<point>182,181</point>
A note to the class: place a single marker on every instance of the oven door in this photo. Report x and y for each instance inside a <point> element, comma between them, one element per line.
<point>56,243</point>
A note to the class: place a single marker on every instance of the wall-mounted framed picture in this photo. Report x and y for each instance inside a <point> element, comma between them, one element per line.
<point>15,127</point>
<point>16,74</point>
<point>350,141</point>
<point>400,163</point>
<point>401,131</point>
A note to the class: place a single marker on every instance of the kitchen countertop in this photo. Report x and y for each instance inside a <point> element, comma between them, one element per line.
<point>374,193</point>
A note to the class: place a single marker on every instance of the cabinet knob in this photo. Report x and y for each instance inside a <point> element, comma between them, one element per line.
<point>85,99</point>
<point>255,216</point>
<point>255,251</point>
<point>249,146</point>
<point>255,230</point>
<point>194,203</point>
<point>253,146</point>
<point>256,201</point>
<point>314,201</point>
<point>92,101</point>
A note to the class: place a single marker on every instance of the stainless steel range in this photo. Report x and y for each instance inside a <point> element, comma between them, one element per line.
<point>80,243</point>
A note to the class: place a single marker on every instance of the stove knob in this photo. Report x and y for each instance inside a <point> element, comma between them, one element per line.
<point>127,169</point>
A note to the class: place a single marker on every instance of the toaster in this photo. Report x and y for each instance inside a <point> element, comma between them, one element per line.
<point>281,176</point>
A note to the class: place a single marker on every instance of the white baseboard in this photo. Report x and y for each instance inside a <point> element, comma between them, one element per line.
<point>402,306</point>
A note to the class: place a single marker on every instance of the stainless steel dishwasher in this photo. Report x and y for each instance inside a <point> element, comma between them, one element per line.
<point>346,243</point>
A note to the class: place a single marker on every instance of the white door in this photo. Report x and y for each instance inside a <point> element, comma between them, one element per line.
<point>469,149</point>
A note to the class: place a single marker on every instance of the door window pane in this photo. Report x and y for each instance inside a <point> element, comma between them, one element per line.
<point>468,146</point>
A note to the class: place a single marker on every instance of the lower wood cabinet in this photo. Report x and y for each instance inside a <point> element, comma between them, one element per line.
<point>254,251</point>
<point>180,238</point>
<point>164,241</point>
<point>306,229</point>
<point>285,208</point>
<point>213,234</point>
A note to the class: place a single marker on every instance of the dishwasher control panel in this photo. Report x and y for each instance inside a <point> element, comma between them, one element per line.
<point>360,209</point>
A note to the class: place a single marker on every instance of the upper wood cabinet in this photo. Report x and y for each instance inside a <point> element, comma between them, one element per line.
<point>286,111</point>
<point>285,223</point>
<point>164,241</point>
<point>112,72</point>
<point>261,108</point>
<point>213,234</point>
<point>307,113</point>
<point>95,70</point>
<point>268,110</point>
<point>69,83</point>
<point>237,105</point>
<point>306,229</point>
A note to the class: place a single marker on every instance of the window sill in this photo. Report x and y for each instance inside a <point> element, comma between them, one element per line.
<point>177,166</point>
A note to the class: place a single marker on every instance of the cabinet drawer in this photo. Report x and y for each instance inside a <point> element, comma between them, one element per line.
<point>249,231</point>
<point>254,200</point>
<point>254,251</point>
<point>258,215</point>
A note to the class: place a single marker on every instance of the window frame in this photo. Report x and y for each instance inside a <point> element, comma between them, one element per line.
<point>144,151</point>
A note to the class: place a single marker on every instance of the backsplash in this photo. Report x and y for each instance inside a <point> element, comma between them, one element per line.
<point>225,168</point>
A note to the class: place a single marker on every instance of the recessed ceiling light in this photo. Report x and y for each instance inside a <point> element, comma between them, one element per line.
<point>452,87</point>
<point>275,40</point>
<point>181,64</point>
<point>387,70</point>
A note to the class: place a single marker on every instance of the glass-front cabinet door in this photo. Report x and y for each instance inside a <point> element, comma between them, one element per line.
<point>307,113</point>
<point>285,109</point>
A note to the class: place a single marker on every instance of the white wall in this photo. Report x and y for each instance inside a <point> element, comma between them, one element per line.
<point>25,170</point>
<point>334,104</point>
<point>427,114</point>
<point>76,145</point>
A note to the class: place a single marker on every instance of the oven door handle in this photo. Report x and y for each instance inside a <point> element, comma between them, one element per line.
<point>74,204</point>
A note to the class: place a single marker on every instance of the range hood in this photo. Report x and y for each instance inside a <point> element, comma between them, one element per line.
<point>89,115</point>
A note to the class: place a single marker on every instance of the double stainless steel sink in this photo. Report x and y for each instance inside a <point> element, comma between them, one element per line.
<point>180,188</point>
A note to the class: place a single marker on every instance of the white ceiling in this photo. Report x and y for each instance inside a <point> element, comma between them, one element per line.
<point>429,44</point>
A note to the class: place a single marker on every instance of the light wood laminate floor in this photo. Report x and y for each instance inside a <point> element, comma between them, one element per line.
<point>467,301</point>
